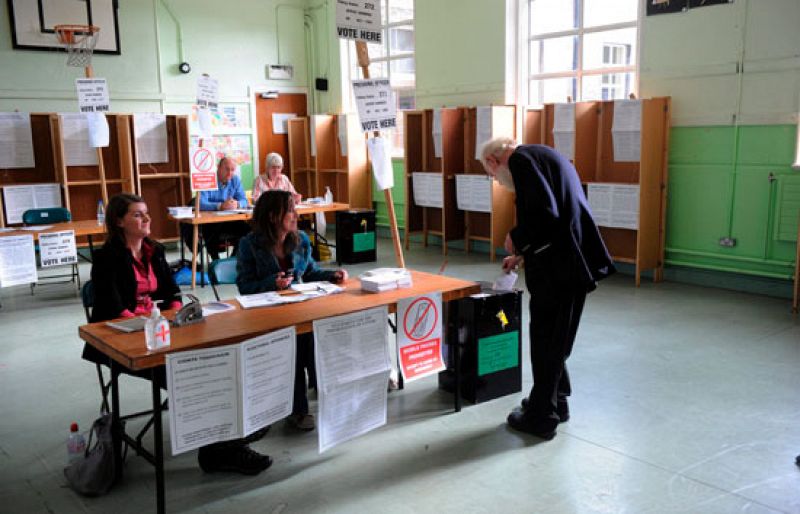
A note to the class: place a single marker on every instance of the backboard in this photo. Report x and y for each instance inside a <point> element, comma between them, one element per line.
<point>32,22</point>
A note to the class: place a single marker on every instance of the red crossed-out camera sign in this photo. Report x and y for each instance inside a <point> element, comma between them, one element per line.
<point>204,177</point>
<point>419,339</point>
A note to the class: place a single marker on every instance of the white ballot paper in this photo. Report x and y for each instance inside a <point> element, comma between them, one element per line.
<point>58,248</point>
<point>436,130</point>
<point>505,281</point>
<point>380,154</point>
<point>19,199</point>
<point>75,136</point>
<point>151,137</point>
<point>428,189</point>
<point>352,359</point>
<point>17,260</point>
<point>16,140</point>
<point>474,192</point>
<point>99,135</point>
<point>626,130</point>
<point>229,392</point>
<point>564,129</point>
<point>483,128</point>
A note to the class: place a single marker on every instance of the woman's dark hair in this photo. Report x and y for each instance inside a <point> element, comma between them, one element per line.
<point>116,210</point>
<point>268,215</point>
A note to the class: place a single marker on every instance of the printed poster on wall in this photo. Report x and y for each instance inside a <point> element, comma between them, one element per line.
<point>419,336</point>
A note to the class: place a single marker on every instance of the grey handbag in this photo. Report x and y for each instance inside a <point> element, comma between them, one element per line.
<point>94,474</point>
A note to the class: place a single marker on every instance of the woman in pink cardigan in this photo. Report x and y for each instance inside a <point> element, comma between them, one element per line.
<point>273,179</point>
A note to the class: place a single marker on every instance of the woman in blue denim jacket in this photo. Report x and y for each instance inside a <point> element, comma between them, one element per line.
<point>270,258</point>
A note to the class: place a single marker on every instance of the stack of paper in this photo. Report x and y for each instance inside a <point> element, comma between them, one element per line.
<point>385,279</point>
<point>314,289</point>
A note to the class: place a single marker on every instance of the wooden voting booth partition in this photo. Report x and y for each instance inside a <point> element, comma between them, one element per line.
<point>446,220</point>
<point>340,162</point>
<point>164,184</point>
<point>643,243</point>
<point>44,170</point>
<point>493,226</point>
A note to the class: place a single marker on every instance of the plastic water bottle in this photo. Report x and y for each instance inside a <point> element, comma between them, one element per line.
<point>328,195</point>
<point>156,330</point>
<point>101,213</point>
<point>76,444</point>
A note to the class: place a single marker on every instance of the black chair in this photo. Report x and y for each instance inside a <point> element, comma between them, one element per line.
<point>47,216</point>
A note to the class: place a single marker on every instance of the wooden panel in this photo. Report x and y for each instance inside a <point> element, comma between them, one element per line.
<point>414,123</point>
<point>359,174</point>
<point>300,170</point>
<point>452,162</point>
<point>652,185</point>
<point>268,141</point>
<point>533,127</point>
<point>44,170</point>
<point>325,139</point>
<point>621,243</point>
<point>586,126</point>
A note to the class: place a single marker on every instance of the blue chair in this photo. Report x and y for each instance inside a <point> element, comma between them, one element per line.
<point>48,216</point>
<point>222,271</point>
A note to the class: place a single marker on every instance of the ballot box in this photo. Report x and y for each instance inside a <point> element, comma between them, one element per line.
<point>355,236</point>
<point>486,330</point>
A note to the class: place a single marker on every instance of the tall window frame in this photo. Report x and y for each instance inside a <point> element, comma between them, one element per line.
<point>601,81</point>
<point>389,59</point>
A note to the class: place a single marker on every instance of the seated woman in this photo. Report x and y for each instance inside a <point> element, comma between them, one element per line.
<point>130,275</point>
<point>273,179</point>
<point>273,255</point>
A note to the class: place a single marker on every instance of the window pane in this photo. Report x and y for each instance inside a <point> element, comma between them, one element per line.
<point>378,70</point>
<point>607,86</point>
<point>553,55</point>
<point>610,48</point>
<point>402,72</point>
<point>552,16</point>
<point>401,39</point>
<point>552,90</point>
<point>401,10</point>
<point>376,50</point>
<point>605,12</point>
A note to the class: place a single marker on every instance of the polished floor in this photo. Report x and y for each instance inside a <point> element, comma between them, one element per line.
<point>686,400</point>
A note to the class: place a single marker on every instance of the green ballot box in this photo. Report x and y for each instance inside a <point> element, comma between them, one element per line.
<point>486,329</point>
<point>355,236</point>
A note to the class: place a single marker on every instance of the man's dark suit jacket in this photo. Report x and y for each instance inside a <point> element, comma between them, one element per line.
<point>555,231</point>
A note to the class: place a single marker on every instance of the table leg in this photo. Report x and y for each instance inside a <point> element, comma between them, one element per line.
<point>116,424</point>
<point>158,441</point>
<point>195,231</point>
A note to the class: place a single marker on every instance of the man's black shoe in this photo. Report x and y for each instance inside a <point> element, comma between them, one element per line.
<point>236,458</point>
<point>562,409</point>
<point>517,421</point>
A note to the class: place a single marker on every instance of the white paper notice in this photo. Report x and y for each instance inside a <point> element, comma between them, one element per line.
<point>483,128</point>
<point>280,122</point>
<point>207,91</point>
<point>614,205</point>
<point>204,123</point>
<point>204,398</point>
<point>57,248</point>
<point>99,136</point>
<point>564,129</point>
<point>352,360</point>
<point>151,137</point>
<point>428,189</point>
<point>626,130</point>
<point>505,281</point>
<point>359,20</point>
<point>474,192</point>
<point>376,107</point>
<point>267,364</point>
<point>380,153</point>
<point>341,132</point>
<point>18,199</point>
<point>92,95</point>
<point>16,140</point>
<point>419,336</point>
<point>18,261</point>
<point>75,136</point>
<point>436,131</point>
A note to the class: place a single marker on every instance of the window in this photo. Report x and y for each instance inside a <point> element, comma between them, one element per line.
<point>582,49</point>
<point>392,59</point>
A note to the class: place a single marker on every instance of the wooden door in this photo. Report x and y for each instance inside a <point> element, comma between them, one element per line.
<point>268,140</point>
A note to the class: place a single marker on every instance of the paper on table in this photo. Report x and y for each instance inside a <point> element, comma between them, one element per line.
<point>16,140</point>
<point>151,137</point>
<point>36,228</point>
<point>17,260</point>
<point>380,155</point>
<point>75,136</point>
<point>212,308</point>
<point>483,128</point>
<point>436,129</point>
<point>99,135</point>
<point>317,288</point>
<point>505,281</point>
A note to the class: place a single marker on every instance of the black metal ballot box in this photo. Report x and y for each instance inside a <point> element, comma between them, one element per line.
<point>488,329</point>
<point>355,236</point>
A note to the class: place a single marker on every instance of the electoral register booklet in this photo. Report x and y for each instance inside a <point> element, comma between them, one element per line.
<point>228,392</point>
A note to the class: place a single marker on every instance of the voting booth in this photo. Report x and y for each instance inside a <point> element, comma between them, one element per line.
<point>486,330</point>
<point>355,236</point>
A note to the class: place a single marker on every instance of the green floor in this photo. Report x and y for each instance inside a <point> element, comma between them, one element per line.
<point>685,400</point>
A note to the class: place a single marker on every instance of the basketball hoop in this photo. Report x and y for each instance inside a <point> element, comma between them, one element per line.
<point>79,41</point>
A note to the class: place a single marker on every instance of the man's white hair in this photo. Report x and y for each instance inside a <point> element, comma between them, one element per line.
<point>274,159</point>
<point>495,147</point>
